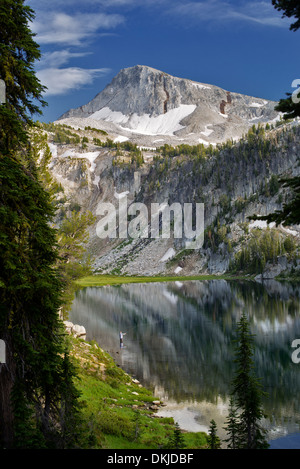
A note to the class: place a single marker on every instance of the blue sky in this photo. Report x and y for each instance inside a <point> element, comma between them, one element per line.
<point>239,45</point>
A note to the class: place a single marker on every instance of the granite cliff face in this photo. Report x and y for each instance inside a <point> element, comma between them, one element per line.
<point>233,181</point>
<point>142,104</point>
<point>150,138</point>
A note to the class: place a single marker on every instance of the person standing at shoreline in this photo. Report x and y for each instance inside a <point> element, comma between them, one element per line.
<point>121,339</point>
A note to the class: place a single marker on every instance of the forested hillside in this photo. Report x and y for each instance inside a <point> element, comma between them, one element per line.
<point>236,181</point>
<point>38,400</point>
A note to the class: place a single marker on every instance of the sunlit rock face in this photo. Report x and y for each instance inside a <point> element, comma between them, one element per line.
<point>148,102</point>
<point>218,162</point>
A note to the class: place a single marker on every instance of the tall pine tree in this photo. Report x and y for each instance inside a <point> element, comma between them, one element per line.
<point>232,427</point>
<point>289,9</point>
<point>176,440</point>
<point>247,393</point>
<point>290,107</point>
<point>35,405</point>
<point>213,439</point>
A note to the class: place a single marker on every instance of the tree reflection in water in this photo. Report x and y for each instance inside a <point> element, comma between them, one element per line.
<point>180,336</point>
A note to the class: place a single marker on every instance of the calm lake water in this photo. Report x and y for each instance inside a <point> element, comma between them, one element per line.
<point>180,342</point>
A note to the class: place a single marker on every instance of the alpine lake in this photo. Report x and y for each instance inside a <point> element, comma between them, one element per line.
<point>180,339</point>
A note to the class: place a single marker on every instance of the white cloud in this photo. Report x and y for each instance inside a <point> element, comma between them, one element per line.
<point>58,58</point>
<point>44,4</point>
<point>260,12</point>
<point>62,80</point>
<point>61,28</point>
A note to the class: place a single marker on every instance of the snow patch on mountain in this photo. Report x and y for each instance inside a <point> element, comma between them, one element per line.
<point>91,156</point>
<point>199,85</point>
<point>108,115</point>
<point>207,131</point>
<point>258,104</point>
<point>120,139</point>
<point>164,124</point>
<point>142,103</point>
<point>168,255</point>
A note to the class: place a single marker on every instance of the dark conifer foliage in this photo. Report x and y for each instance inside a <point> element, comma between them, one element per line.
<point>232,426</point>
<point>246,431</point>
<point>213,439</point>
<point>290,9</point>
<point>176,440</point>
<point>290,107</point>
<point>37,395</point>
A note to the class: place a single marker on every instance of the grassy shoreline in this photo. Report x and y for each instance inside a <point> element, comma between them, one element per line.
<point>118,408</point>
<point>102,280</point>
<point>116,405</point>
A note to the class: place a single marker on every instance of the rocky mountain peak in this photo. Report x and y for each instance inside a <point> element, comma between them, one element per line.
<point>143,101</point>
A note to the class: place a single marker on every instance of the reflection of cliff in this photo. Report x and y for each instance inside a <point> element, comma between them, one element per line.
<point>180,335</point>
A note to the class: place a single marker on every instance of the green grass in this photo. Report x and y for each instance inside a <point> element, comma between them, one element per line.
<point>100,280</point>
<point>117,408</point>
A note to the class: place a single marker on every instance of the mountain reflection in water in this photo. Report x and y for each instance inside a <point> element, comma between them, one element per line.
<point>180,340</point>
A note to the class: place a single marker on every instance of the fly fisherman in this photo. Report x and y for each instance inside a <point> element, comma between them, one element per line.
<point>121,338</point>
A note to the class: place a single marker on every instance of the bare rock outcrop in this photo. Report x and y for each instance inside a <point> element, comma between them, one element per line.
<point>149,102</point>
<point>75,329</point>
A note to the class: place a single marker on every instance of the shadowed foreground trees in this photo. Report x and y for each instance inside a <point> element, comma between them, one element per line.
<point>290,106</point>
<point>246,413</point>
<point>243,424</point>
<point>38,400</point>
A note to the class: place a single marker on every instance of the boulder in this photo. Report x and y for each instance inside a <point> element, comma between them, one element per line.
<point>68,325</point>
<point>271,270</point>
<point>79,331</point>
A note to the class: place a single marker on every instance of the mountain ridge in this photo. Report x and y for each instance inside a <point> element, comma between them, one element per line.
<point>141,103</point>
<point>234,181</point>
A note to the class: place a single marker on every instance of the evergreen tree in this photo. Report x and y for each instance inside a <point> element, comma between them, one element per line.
<point>213,439</point>
<point>232,426</point>
<point>290,213</point>
<point>72,236</point>
<point>247,392</point>
<point>290,9</point>
<point>178,438</point>
<point>72,430</point>
<point>176,441</point>
<point>36,382</point>
<point>18,53</point>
